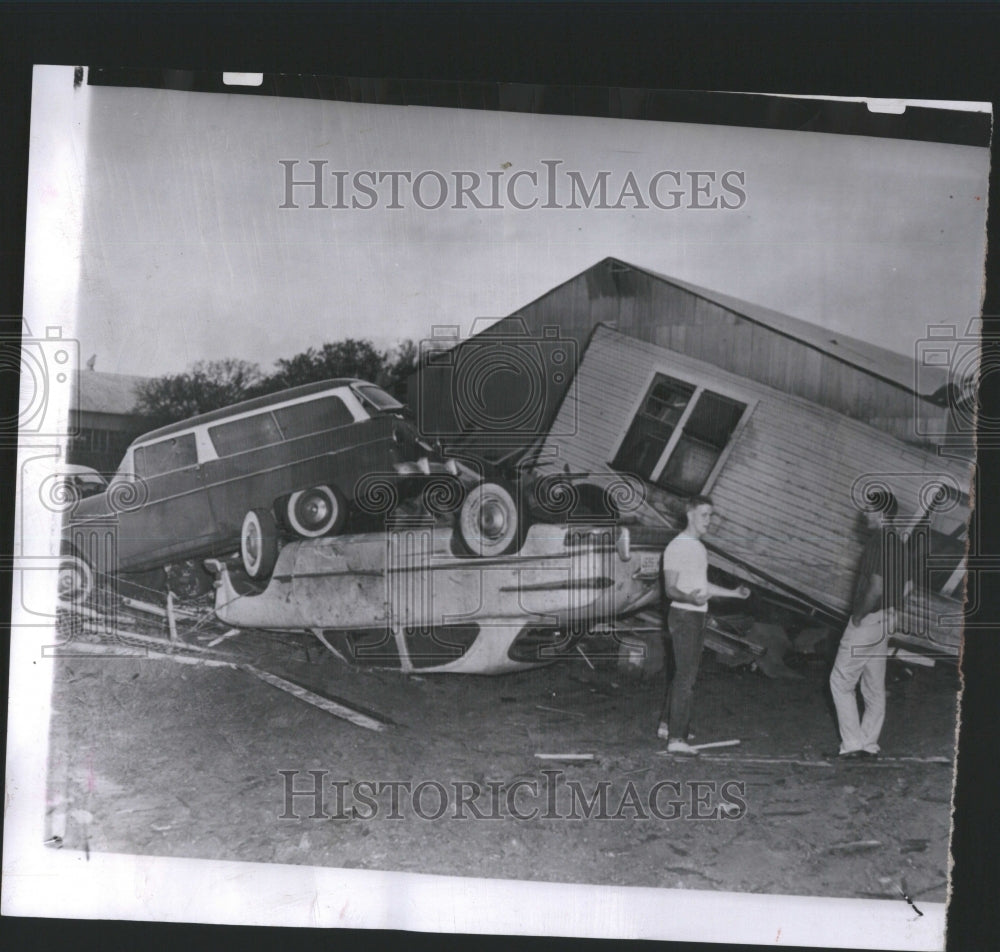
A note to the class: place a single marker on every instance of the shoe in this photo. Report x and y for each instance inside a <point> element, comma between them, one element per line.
<point>663,732</point>
<point>682,749</point>
<point>837,755</point>
<point>868,754</point>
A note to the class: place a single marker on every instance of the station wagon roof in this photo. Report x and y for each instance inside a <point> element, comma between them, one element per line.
<point>257,403</point>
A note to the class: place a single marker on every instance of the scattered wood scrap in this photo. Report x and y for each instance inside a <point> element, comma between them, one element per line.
<point>855,846</point>
<point>778,761</point>
<point>716,743</point>
<point>567,757</point>
<point>142,654</point>
<point>150,609</point>
<point>172,619</point>
<point>339,708</point>
<point>232,633</point>
<point>131,644</point>
<point>558,710</point>
<point>920,760</point>
<point>128,637</point>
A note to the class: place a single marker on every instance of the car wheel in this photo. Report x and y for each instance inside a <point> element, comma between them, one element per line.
<point>259,543</point>
<point>489,522</point>
<point>315,512</point>
<point>75,582</point>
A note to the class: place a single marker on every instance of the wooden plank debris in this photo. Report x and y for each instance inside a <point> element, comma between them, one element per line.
<point>133,636</point>
<point>142,654</point>
<point>911,657</point>
<point>151,609</point>
<point>559,710</point>
<point>178,653</point>
<point>567,757</point>
<point>716,743</point>
<point>777,761</point>
<point>171,619</point>
<point>331,706</point>
<point>855,846</point>
<point>232,633</point>
<point>947,761</point>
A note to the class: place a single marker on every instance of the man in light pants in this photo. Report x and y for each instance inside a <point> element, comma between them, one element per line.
<point>864,644</point>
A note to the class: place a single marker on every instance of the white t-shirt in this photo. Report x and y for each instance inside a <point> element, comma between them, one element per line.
<point>688,557</point>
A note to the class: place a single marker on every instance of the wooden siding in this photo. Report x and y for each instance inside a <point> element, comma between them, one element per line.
<point>651,309</point>
<point>783,493</point>
<point>669,316</point>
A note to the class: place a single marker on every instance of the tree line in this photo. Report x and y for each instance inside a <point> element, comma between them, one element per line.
<point>209,385</point>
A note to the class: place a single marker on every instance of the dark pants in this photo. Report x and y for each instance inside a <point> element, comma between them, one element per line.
<point>687,638</point>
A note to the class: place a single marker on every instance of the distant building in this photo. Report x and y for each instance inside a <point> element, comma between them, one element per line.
<point>104,404</point>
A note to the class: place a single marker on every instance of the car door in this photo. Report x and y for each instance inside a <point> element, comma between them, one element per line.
<point>175,521</point>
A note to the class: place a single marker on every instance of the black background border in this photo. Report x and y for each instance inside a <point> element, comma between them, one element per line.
<point>893,50</point>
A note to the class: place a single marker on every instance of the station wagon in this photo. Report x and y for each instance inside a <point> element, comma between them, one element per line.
<point>283,465</point>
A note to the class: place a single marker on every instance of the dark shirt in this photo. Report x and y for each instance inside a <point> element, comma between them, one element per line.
<point>885,555</point>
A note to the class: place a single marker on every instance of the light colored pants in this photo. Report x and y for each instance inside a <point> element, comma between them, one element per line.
<point>861,657</point>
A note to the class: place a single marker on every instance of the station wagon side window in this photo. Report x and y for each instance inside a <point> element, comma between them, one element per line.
<point>679,435</point>
<point>377,398</point>
<point>313,416</point>
<point>165,456</point>
<point>87,485</point>
<point>247,433</point>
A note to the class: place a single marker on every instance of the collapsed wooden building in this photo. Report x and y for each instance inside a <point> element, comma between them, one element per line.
<point>621,370</point>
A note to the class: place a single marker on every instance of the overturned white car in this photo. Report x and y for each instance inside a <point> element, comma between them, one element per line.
<point>405,599</point>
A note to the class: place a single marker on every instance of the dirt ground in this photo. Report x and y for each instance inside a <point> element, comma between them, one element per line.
<point>154,757</point>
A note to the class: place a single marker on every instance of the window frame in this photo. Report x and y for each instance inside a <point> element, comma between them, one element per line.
<point>203,440</point>
<point>242,418</point>
<point>173,437</point>
<point>294,405</point>
<point>701,383</point>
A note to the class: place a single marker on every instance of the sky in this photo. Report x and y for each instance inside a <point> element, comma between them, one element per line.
<point>183,252</point>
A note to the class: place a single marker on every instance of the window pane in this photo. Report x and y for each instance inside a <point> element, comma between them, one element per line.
<point>689,467</point>
<point>652,427</point>
<point>313,416</point>
<point>667,400</point>
<point>641,450</point>
<point>706,433</point>
<point>713,419</point>
<point>166,456</point>
<point>89,485</point>
<point>238,436</point>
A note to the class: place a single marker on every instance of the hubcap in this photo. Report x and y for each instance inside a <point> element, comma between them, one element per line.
<point>69,580</point>
<point>252,543</point>
<point>72,582</point>
<point>315,509</point>
<point>492,519</point>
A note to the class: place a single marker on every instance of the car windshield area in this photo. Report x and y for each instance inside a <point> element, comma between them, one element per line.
<point>87,485</point>
<point>376,399</point>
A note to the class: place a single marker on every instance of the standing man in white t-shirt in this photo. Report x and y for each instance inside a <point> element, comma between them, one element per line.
<point>685,576</point>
